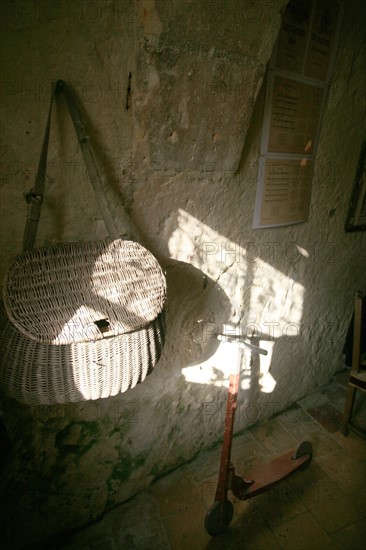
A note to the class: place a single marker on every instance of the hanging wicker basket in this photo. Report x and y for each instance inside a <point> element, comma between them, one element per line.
<point>79,321</point>
<point>34,373</point>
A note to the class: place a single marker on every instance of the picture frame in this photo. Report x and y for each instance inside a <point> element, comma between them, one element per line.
<point>356,216</point>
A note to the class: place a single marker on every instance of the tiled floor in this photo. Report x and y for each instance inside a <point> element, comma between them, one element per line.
<point>322,507</point>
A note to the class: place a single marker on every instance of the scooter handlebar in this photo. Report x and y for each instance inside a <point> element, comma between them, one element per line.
<point>240,341</point>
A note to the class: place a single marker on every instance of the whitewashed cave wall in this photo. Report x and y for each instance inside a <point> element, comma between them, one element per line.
<point>183,159</point>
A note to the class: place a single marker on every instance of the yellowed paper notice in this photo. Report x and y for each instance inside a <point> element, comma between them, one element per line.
<point>295,116</point>
<point>287,190</point>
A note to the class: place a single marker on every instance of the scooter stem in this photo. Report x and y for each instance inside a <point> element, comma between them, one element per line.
<point>227,477</point>
<point>231,405</point>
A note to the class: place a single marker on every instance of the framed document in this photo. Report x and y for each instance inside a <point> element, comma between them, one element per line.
<point>296,88</point>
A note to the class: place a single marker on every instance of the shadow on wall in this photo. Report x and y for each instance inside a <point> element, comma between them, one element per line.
<point>266,302</point>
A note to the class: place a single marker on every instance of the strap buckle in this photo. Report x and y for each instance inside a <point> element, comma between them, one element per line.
<point>31,196</point>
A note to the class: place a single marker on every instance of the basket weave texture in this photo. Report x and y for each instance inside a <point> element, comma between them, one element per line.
<point>79,321</point>
<point>82,292</point>
<point>41,374</point>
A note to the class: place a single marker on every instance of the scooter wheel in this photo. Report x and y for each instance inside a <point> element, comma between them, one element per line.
<point>305,448</point>
<point>218,517</point>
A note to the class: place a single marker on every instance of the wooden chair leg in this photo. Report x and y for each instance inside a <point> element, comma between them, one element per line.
<point>348,409</point>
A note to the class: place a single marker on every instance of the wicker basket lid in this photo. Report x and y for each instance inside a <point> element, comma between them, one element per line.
<point>79,292</point>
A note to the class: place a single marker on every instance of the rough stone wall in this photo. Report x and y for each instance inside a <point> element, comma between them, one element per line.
<point>172,97</point>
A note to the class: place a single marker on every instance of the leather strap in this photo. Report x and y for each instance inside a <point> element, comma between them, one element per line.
<point>35,195</point>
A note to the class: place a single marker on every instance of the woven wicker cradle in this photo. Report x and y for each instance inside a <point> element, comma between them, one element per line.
<point>79,321</point>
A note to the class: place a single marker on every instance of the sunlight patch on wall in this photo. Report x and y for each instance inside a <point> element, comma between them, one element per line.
<point>217,369</point>
<point>196,243</point>
<point>276,300</point>
<point>265,301</point>
<point>266,380</point>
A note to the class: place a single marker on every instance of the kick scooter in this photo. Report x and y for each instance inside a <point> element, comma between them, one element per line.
<point>220,514</point>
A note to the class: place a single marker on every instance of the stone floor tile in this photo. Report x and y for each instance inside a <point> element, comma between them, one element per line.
<point>336,393</point>
<point>207,490</point>
<point>134,525</point>
<point>185,530</point>
<point>332,508</point>
<point>280,503</point>
<point>205,465</point>
<point>248,456</point>
<point>352,444</point>
<point>313,400</point>
<point>352,537</point>
<point>273,437</point>
<point>215,543</point>
<point>248,529</point>
<point>93,541</point>
<point>358,498</point>
<point>348,472</point>
<point>175,492</point>
<point>310,474</point>
<point>246,514</point>
<point>242,439</point>
<point>327,416</point>
<point>303,533</point>
<point>322,442</point>
<point>293,417</point>
<point>256,539</point>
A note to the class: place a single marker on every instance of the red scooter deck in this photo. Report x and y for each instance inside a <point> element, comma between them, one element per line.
<point>272,473</point>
